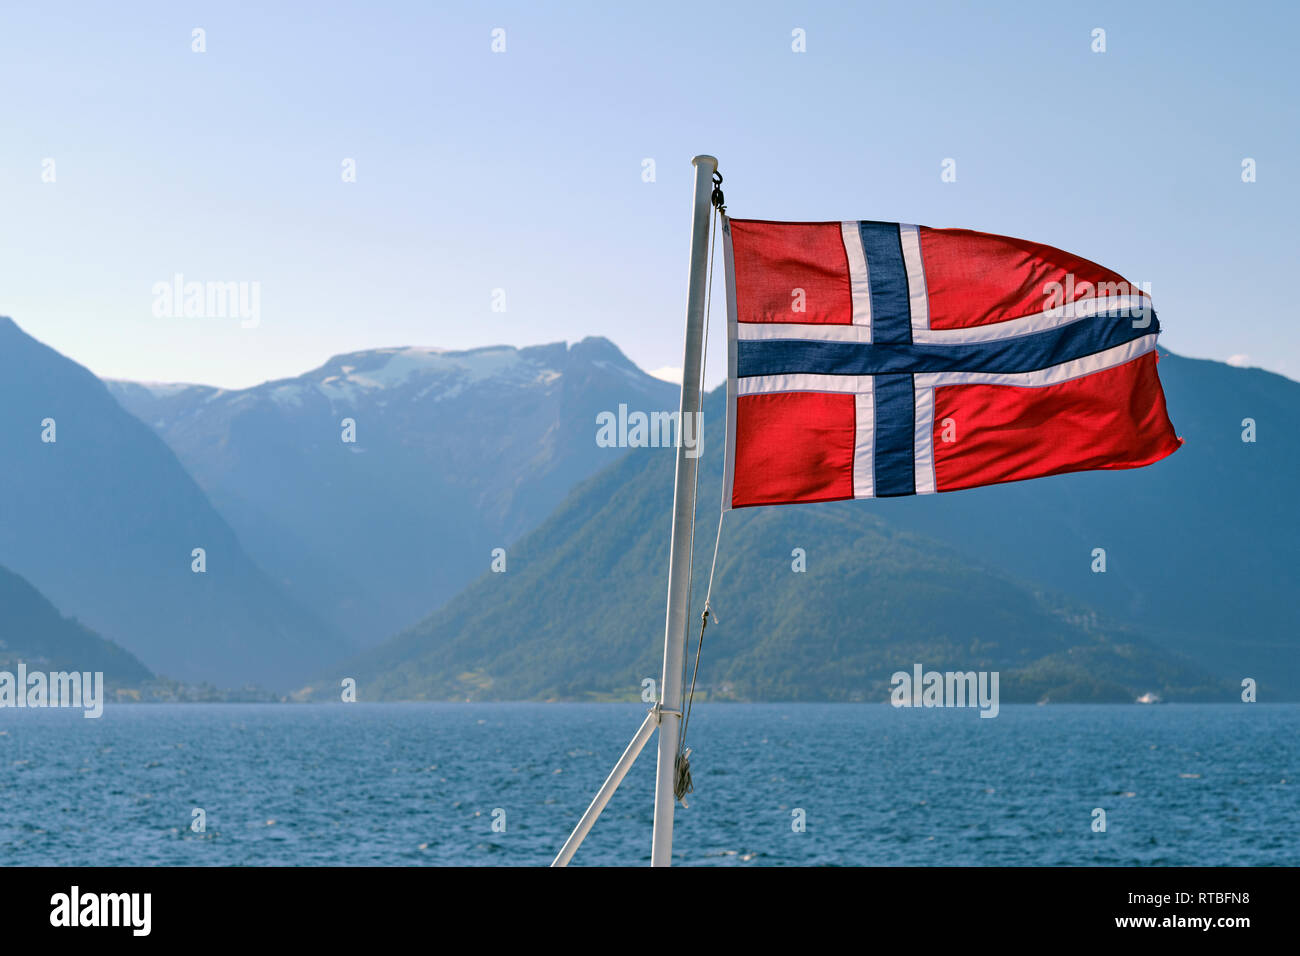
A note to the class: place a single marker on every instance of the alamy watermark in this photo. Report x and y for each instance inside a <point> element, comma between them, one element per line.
<point>75,908</point>
<point>648,430</point>
<point>53,689</point>
<point>1131,300</point>
<point>179,299</point>
<point>923,688</point>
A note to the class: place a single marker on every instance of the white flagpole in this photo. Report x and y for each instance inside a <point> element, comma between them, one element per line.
<point>679,564</point>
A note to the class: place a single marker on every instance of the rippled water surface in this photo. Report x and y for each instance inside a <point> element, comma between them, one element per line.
<point>412,784</point>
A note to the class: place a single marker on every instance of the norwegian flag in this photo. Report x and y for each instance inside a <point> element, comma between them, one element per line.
<point>875,359</point>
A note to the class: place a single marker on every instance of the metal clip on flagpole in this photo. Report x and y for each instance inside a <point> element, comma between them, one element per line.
<point>667,714</point>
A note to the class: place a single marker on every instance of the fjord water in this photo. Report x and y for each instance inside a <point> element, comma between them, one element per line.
<point>421,784</point>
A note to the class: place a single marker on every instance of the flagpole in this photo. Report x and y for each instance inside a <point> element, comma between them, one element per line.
<point>679,563</point>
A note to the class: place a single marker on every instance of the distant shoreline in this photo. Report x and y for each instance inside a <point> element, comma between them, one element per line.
<point>623,703</point>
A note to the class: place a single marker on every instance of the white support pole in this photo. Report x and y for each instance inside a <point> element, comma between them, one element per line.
<point>606,791</point>
<point>679,563</point>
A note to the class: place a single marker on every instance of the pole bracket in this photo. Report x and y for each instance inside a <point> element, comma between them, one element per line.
<point>659,710</point>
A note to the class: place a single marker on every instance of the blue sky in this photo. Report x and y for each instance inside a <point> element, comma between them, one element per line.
<point>522,170</point>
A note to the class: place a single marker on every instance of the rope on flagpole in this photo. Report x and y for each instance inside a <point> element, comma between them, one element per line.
<point>682,783</point>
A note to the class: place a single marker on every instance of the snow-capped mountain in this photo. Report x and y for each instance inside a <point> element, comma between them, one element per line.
<point>376,486</point>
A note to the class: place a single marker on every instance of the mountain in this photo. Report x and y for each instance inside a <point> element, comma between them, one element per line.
<point>104,521</point>
<point>31,630</point>
<point>455,454</point>
<point>1202,548</point>
<point>579,611</point>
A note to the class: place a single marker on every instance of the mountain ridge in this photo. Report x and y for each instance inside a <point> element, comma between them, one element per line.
<point>456,453</point>
<point>34,631</point>
<point>578,614</point>
<point>104,520</point>
<point>465,451</point>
